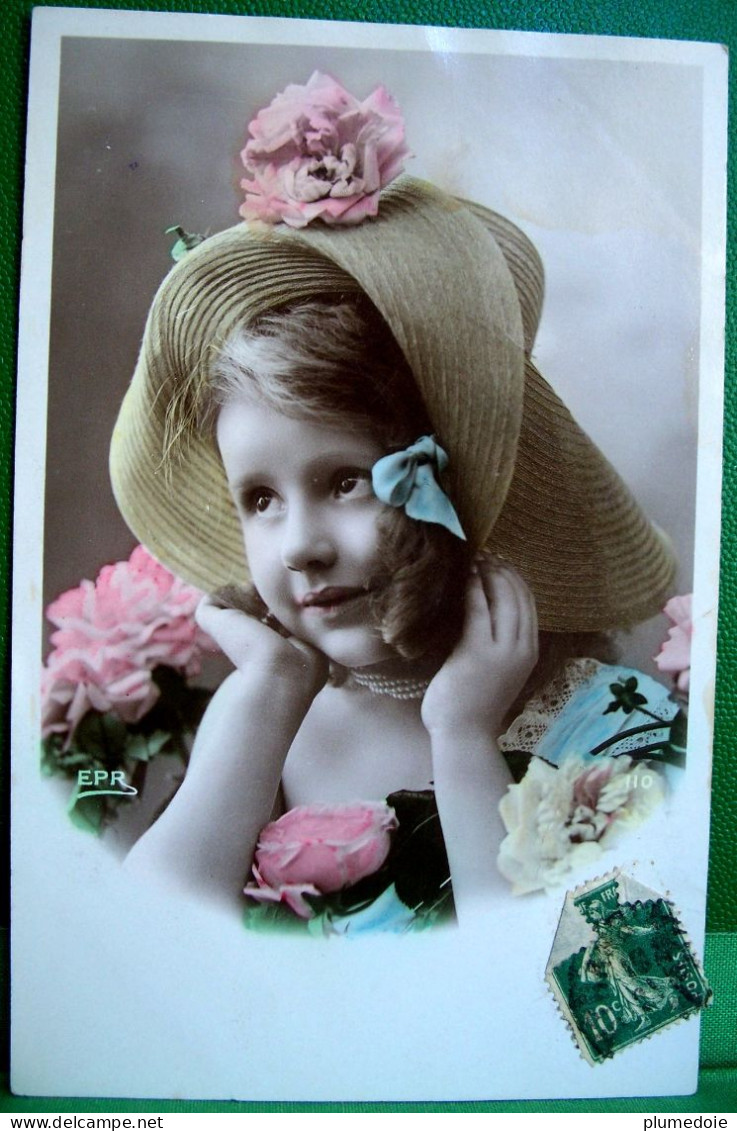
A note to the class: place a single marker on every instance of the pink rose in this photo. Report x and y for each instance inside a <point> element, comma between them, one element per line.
<point>317,849</point>
<point>316,151</point>
<point>675,654</point>
<point>110,635</point>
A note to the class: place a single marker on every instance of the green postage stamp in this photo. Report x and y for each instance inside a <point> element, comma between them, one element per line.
<point>621,967</point>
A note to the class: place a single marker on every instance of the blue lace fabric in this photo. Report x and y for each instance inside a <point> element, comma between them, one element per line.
<point>574,714</point>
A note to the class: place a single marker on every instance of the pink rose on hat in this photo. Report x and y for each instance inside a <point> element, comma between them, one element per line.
<point>317,152</point>
<point>318,849</point>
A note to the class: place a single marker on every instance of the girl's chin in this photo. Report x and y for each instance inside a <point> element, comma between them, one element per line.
<point>355,650</point>
<point>350,658</point>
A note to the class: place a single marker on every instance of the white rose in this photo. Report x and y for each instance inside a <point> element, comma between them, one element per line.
<point>558,819</point>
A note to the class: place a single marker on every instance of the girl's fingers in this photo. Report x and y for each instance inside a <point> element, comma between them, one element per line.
<point>504,609</point>
<point>485,571</point>
<point>527,641</point>
<point>234,632</point>
<point>533,628</point>
<point>513,611</point>
<point>252,645</point>
<point>211,613</point>
<point>205,611</point>
<point>526,608</point>
<point>240,635</point>
<point>491,607</point>
<point>477,620</point>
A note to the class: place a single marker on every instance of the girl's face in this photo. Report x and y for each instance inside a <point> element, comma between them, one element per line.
<point>309,519</point>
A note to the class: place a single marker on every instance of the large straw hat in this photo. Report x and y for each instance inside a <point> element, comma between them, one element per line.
<point>461,289</point>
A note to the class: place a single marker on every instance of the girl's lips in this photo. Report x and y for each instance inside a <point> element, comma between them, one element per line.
<point>332,597</point>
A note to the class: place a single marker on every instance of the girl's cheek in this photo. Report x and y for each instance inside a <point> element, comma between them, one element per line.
<point>356,536</point>
<point>260,561</point>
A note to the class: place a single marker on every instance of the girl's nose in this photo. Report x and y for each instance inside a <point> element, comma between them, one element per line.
<point>307,543</point>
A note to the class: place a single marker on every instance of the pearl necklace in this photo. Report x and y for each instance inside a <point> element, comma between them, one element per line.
<point>396,688</point>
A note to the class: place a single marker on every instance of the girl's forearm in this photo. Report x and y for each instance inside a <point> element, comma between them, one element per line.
<point>470,777</point>
<point>206,837</point>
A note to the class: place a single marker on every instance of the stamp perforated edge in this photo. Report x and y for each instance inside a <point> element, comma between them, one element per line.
<point>562,1006</point>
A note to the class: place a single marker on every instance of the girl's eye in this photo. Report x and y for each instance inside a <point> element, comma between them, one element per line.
<point>352,481</point>
<point>259,500</point>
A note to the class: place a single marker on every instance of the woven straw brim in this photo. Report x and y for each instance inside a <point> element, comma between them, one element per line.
<point>460,289</point>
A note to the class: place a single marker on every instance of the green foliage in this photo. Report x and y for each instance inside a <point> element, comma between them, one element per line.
<point>143,747</point>
<point>261,916</point>
<point>679,732</point>
<point>185,243</point>
<point>626,697</point>
<point>518,762</point>
<point>104,742</point>
<point>89,813</point>
<point>668,744</point>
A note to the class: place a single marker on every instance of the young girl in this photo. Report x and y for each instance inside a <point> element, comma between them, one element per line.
<point>355,406</point>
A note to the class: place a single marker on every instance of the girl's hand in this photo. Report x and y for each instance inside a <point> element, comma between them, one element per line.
<point>489,666</point>
<point>258,650</point>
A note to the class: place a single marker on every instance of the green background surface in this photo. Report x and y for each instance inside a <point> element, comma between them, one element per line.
<point>714,21</point>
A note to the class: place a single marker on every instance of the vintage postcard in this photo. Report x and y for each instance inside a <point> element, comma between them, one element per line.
<point>366,560</point>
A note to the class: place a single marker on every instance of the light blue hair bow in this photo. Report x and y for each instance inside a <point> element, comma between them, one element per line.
<point>409,479</point>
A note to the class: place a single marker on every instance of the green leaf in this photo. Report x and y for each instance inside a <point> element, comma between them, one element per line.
<point>442,911</point>
<point>179,706</point>
<point>258,916</point>
<point>657,753</point>
<point>626,696</point>
<point>673,757</point>
<point>144,747</point>
<point>197,703</point>
<point>87,813</point>
<point>318,926</point>
<point>518,762</point>
<point>679,731</point>
<point>49,759</point>
<point>55,759</point>
<point>185,243</point>
<point>103,736</point>
<point>73,760</point>
<point>417,861</point>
